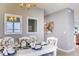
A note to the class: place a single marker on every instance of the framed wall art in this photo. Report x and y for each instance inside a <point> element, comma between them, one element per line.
<point>48,26</point>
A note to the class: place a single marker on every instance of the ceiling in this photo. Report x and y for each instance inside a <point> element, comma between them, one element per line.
<point>53,7</point>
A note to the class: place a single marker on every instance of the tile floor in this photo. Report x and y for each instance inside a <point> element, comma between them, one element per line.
<point>74,53</point>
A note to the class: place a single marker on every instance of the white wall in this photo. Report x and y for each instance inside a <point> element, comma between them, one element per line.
<point>63,28</point>
<point>36,13</point>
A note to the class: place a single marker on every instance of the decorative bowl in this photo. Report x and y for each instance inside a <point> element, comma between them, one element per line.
<point>37,47</point>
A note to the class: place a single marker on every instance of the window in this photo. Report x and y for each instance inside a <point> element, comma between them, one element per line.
<point>32,25</point>
<point>13,24</point>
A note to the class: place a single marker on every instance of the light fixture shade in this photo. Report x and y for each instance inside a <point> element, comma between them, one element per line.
<point>12,18</point>
<point>27,5</point>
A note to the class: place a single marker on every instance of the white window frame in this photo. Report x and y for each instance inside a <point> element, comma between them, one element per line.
<point>37,24</point>
<point>5,21</point>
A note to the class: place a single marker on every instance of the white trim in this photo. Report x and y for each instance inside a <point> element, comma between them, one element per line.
<point>37,25</point>
<point>67,51</point>
<point>6,14</point>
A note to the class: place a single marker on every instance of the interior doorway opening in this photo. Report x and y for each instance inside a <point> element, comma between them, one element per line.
<point>76,37</point>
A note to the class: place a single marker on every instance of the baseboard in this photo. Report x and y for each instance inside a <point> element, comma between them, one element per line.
<point>67,51</point>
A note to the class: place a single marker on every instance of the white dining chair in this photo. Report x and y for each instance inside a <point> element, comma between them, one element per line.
<point>24,42</point>
<point>1,47</point>
<point>52,42</point>
<point>8,41</point>
<point>33,41</point>
<point>33,38</point>
<point>8,44</point>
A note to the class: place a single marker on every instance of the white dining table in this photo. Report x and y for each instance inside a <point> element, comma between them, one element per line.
<point>30,52</point>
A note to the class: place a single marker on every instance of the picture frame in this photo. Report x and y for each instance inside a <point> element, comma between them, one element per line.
<point>48,26</point>
<point>32,28</point>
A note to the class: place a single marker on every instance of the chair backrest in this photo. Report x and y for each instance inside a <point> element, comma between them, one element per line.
<point>52,41</point>
<point>24,38</point>
<point>1,41</point>
<point>1,44</point>
<point>33,39</point>
<point>8,41</point>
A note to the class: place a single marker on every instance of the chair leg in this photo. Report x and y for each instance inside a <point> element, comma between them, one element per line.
<point>55,52</point>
